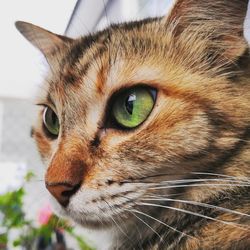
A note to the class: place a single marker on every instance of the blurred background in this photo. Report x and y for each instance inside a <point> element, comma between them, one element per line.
<point>22,70</point>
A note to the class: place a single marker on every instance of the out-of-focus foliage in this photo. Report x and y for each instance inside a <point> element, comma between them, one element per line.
<point>50,232</point>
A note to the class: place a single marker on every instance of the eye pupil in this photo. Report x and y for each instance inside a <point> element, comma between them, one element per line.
<point>130,103</point>
<point>54,118</point>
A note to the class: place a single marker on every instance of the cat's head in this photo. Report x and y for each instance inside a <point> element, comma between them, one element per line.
<point>131,111</point>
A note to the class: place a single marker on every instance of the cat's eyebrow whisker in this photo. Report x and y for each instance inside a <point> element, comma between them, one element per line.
<point>161,222</point>
<point>197,204</point>
<point>195,214</point>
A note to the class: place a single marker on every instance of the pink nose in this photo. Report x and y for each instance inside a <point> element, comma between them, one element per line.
<point>62,191</point>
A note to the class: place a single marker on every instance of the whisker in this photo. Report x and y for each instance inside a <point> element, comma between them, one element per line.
<point>154,195</point>
<point>111,217</point>
<point>226,177</point>
<point>180,181</point>
<point>195,214</point>
<point>223,175</point>
<point>200,185</point>
<point>138,229</point>
<point>161,222</point>
<point>144,223</point>
<point>163,196</point>
<point>200,204</point>
<point>203,180</point>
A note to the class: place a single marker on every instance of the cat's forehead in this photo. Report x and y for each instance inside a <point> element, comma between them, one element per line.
<point>94,67</point>
<point>87,62</point>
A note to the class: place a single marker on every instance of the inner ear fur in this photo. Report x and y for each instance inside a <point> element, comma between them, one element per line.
<point>219,21</point>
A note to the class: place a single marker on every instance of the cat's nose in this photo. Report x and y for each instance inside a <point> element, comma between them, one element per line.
<point>62,191</point>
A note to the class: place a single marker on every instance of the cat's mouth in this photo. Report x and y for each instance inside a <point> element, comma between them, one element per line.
<point>101,209</point>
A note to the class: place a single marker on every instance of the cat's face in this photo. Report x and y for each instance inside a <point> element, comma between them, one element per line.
<point>130,109</point>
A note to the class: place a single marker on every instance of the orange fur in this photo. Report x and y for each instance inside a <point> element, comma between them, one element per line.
<point>198,61</point>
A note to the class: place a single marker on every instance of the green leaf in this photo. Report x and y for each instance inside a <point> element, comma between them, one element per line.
<point>82,244</point>
<point>3,239</point>
<point>29,176</point>
<point>17,242</point>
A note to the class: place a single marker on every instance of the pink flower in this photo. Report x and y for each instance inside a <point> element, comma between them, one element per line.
<point>44,214</point>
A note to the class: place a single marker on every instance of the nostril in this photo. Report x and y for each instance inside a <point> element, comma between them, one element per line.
<point>70,192</point>
<point>62,191</point>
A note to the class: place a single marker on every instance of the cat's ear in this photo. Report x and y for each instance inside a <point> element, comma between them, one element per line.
<point>46,41</point>
<point>220,20</point>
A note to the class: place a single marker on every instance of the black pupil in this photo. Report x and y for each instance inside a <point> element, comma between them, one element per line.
<point>130,103</point>
<point>53,118</point>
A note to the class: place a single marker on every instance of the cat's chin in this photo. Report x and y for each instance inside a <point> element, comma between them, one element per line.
<point>90,223</point>
<point>97,220</point>
<point>81,219</point>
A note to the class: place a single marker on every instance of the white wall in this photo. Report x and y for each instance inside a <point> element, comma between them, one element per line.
<point>21,65</point>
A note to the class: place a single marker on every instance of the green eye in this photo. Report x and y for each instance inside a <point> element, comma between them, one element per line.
<point>51,121</point>
<point>133,106</point>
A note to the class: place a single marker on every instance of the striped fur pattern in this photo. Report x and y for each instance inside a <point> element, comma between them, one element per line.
<point>181,180</point>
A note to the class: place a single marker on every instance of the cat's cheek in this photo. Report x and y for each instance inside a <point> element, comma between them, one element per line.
<point>43,145</point>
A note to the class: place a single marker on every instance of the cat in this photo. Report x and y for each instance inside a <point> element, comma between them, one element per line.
<point>144,127</point>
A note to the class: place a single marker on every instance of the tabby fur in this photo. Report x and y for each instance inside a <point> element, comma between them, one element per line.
<point>181,180</point>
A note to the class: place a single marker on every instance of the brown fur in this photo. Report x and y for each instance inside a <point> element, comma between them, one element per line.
<point>198,60</point>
